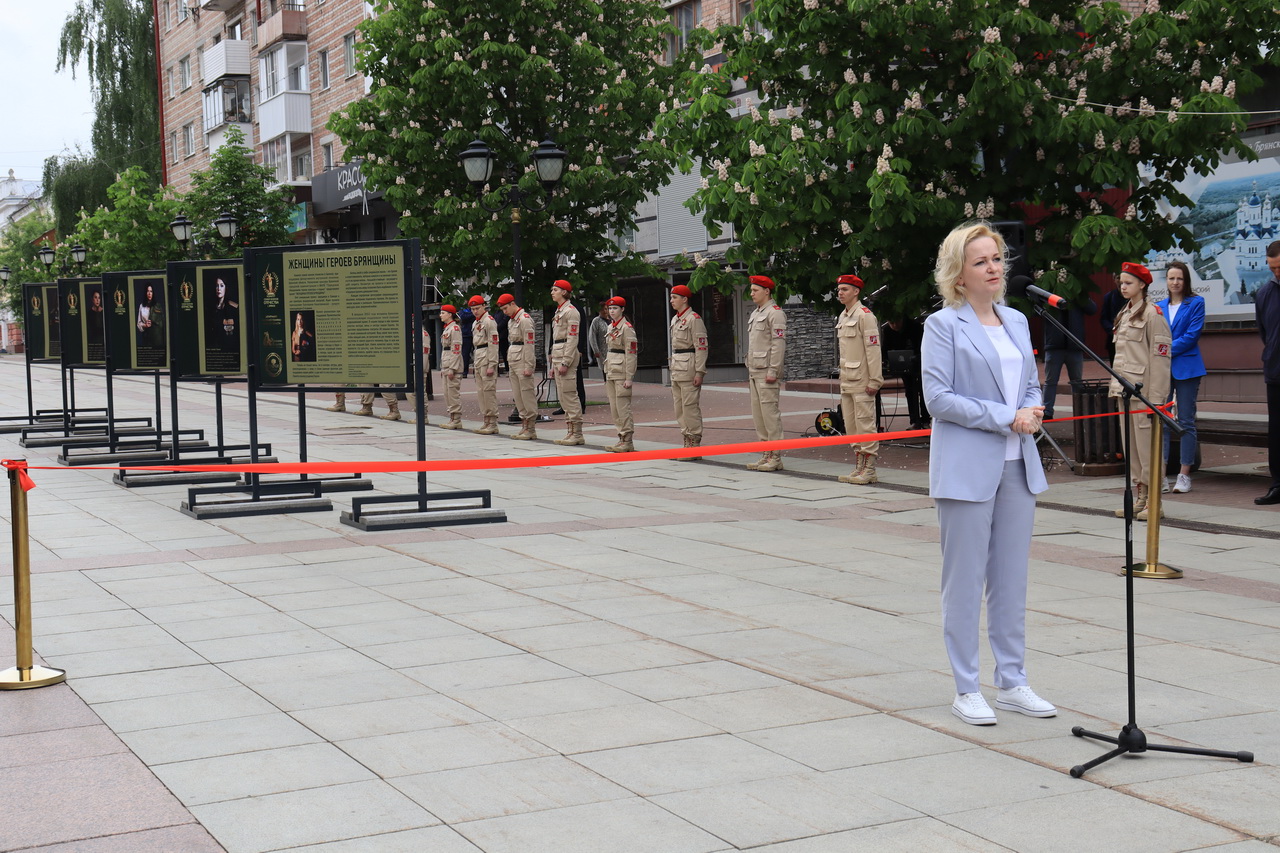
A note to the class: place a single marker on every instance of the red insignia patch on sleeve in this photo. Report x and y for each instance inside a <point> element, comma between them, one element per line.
<point>1162,350</point>
<point>633,348</point>
<point>573,329</point>
<point>529,338</point>
<point>1158,311</point>
<point>779,333</point>
<point>702,343</point>
<point>873,340</point>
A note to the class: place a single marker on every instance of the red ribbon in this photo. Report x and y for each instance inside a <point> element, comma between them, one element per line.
<point>20,466</point>
<point>384,467</point>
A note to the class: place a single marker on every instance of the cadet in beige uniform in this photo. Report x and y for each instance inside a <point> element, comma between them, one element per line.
<point>451,365</point>
<point>766,345</point>
<point>521,360</point>
<point>1143,352</point>
<point>688,365</point>
<point>620,349</point>
<point>858,337</point>
<point>566,325</point>
<point>484,360</point>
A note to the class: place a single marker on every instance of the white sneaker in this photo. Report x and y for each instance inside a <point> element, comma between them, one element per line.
<point>973,709</point>
<point>1183,485</point>
<point>1164,486</point>
<point>1025,701</point>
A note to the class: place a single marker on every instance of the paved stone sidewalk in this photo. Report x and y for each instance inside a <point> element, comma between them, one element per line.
<point>655,656</point>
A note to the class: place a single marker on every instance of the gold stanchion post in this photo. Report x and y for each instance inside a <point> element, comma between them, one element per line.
<point>25,674</point>
<point>1153,568</point>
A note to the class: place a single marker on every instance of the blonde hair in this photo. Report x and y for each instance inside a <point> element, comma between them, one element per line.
<point>946,273</point>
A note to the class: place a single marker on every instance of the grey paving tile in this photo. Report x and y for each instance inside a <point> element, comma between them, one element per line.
<point>326,691</point>
<point>437,839</point>
<point>374,614</point>
<point>922,835</point>
<point>296,818</point>
<point>609,728</point>
<point>695,679</point>
<point>622,826</point>
<point>751,814</point>
<point>387,716</point>
<point>264,645</point>
<point>513,787</point>
<point>488,672</point>
<point>662,768</point>
<point>538,698</point>
<point>1126,824</point>
<point>1243,797</point>
<point>748,710</point>
<point>164,682</point>
<point>853,741</point>
<point>293,666</point>
<point>425,751</point>
<point>232,626</point>
<point>446,649</point>
<point>625,656</point>
<point>423,626</point>
<point>102,640</point>
<point>256,774</point>
<point>216,737</point>
<point>149,712</point>
<point>167,655</point>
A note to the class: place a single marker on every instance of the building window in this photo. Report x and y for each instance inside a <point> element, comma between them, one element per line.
<point>168,80</point>
<point>297,73</point>
<point>349,53</point>
<point>686,17</point>
<point>184,72</point>
<point>235,30</point>
<point>164,14</point>
<point>326,152</point>
<point>380,228</point>
<point>182,10</point>
<point>323,60</point>
<point>302,167</point>
<point>189,139</point>
<point>271,75</point>
<point>173,145</point>
<point>745,8</point>
<point>200,64</point>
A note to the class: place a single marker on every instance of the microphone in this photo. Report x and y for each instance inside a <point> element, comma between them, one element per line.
<point>1053,299</point>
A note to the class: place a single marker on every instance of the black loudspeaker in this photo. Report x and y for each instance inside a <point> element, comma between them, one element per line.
<point>1015,237</point>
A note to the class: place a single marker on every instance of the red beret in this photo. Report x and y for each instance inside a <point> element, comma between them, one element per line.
<point>850,279</point>
<point>506,299</point>
<point>616,300</point>
<point>682,290</point>
<point>762,281</point>
<point>449,308</point>
<point>563,285</point>
<point>1138,271</point>
<point>475,300</point>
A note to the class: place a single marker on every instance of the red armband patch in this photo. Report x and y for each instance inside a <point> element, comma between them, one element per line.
<point>573,329</point>
<point>873,340</point>
<point>1162,350</point>
<point>779,333</point>
<point>633,348</point>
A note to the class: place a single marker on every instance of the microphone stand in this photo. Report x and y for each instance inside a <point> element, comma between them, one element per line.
<point>1131,738</point>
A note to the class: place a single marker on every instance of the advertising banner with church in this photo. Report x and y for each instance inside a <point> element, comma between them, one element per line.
<point>1235,215</point>
<point>334,316</point>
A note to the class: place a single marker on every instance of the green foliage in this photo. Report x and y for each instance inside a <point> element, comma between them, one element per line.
<point>234,184</point>
<point>132,232</point>
<point>514,72</point>
<point>116,42</point>
<point>18,253</point>
<point>75,183</point>
<point>888,122</point>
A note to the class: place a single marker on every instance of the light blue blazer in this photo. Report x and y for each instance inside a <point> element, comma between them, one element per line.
<point>963,388</point>
<point>1186,328</point>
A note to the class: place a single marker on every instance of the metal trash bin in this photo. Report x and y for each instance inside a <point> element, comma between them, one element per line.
<point>1099,441</point>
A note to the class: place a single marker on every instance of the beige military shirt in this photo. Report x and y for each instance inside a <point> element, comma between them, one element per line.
<point>520,353</point>
<point>451,347</point>
<point>1144,349</point>
<point>620,351</point>
<point>858,335</point>
<point>688,346</point>
<point>484,348</point>
<point>565,325</point>
<point>766,340</point>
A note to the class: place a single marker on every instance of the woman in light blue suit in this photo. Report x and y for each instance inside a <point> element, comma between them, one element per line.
<point>983,390</point>
<point>1185,312</point>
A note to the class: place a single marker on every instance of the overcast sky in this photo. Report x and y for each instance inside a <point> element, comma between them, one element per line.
<point>42,112</point>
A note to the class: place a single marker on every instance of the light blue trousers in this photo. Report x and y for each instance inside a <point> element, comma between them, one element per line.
<point>985,547</point>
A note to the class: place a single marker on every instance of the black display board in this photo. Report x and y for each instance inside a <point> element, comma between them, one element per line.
<point>41,329</point>
<point>208,314</point>
<point>334,315</point>
<point>138,316</point>
<point>82,310</point>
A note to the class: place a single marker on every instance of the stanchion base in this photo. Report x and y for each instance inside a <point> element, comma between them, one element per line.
<point>38,676</point>
<point>1159,571</point>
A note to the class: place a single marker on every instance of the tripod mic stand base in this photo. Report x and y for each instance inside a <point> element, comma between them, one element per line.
<point>1132,740</point>
<point>1158,571</point>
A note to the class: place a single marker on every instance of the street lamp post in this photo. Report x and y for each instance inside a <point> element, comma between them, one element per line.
<point>182,228</point>
<point>548,160</point>
<point>227,225</point>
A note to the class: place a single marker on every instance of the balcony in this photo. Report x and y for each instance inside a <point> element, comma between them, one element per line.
<point>227,58</point>
<point>288,24</point>
<point>220,5</point>
<point>287,112</point>
<point>217,137</point>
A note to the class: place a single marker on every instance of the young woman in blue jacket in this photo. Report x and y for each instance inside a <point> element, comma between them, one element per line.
<point>1185,312</point>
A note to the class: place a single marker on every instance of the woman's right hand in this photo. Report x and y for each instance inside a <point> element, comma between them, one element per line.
<point>1028,420</point>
